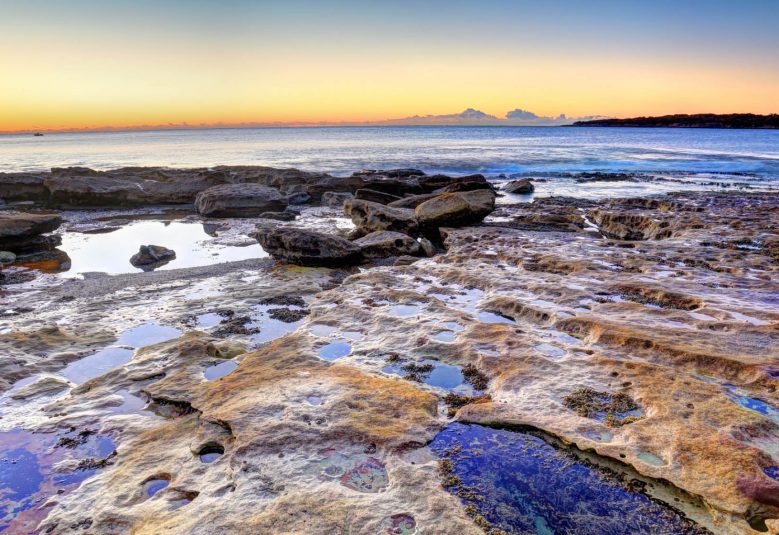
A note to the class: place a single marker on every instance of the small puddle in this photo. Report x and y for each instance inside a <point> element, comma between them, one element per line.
<point>772,472</point>
<point>550,350</point>
<point>335,350</point>
<point>491,317</point>
<point>404,311</point>
<point>433,373</point>
<point>272,328</point>
<point>519,483</point>
<point>208,320</point>
<point>752,404</point>
<point>109,358</point>
<point>111,252</point>
<point>210,453</point>
<point>651,459</point>
<point>218,371</point>
<point>153,486</point>
<point>322,330</point>
<point>444,336</point>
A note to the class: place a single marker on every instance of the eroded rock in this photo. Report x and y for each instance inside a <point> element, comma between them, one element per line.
<point>239,200</point>
<point>382,244</point>
<point>456,209</point>
<point>306,247</point>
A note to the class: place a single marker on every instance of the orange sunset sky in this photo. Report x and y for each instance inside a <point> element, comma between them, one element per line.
<point>91,64</point>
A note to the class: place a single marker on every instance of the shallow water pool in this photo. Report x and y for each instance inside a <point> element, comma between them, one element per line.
<point>110,252</point>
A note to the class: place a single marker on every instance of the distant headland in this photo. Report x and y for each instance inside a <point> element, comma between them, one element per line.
<point>698,120</point>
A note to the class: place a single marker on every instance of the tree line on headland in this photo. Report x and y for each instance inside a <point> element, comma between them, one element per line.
<point>698,120</point>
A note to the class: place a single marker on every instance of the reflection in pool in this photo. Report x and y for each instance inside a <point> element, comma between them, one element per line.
<point>31,471</point>
<point>111,252</point>
<point>519,483</point>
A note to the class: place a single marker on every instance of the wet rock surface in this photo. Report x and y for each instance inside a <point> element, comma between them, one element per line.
<point>645,370</point>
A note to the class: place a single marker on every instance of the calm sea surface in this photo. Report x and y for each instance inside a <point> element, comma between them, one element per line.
<point>697,155</point>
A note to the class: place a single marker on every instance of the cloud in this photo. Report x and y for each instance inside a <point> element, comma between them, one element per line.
<point>474,117</point>
<point>521,114</point>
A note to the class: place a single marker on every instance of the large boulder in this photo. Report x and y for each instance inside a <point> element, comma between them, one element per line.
<point>456,209</point>
<point>22,233</point>
<point>521,186</point>
<point>380,197</point>
<point>371,217</point>
<point>348,184</point>
<point>306,247</point>
<point>413,201</point>
<point>239,200</point>
<point>386,243</point>
<point>23,187</point>
<point>150,257</point>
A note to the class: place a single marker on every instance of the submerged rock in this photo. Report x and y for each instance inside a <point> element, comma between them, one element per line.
<point>456,209</point>
<point>307,248</point>
<point>150,257</point>
<point>382,244</point>
<point>239,200</point>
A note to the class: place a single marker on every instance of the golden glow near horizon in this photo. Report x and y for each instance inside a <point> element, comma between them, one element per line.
<point>203,70</point>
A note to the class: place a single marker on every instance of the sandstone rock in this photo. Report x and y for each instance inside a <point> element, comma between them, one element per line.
<point>466,183</point>
<point>335,199</point>
<point>338,184</point>
<point>306,247</point>
<point>150,257</point>
<point>393,186</point>
<point>630,226</point>
<point>382,244</point>
<point>22,233</point>
<point>521,186</point>
<point>413,201</point>
<point>239,200</point>
<point>375,196</point>
<point>427,247</point>
<point>371,217</point>
<point>456,209</point>
<point>298,198</point>
<point>23,187</point>
<point>279,216</point>
<point>21,225</point>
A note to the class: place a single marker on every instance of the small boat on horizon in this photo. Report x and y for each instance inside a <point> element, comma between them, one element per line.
<point>38,134</point>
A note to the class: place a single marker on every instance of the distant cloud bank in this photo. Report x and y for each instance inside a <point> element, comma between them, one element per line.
<point>472,117</point>
<point>469,117</point>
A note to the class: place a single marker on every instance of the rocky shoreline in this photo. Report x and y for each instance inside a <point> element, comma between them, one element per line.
<point>405,325</point>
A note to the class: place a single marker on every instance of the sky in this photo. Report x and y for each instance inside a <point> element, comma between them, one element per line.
<point>135,63</point>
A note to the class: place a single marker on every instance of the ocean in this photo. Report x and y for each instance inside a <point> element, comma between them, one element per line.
<point>689,156</point>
